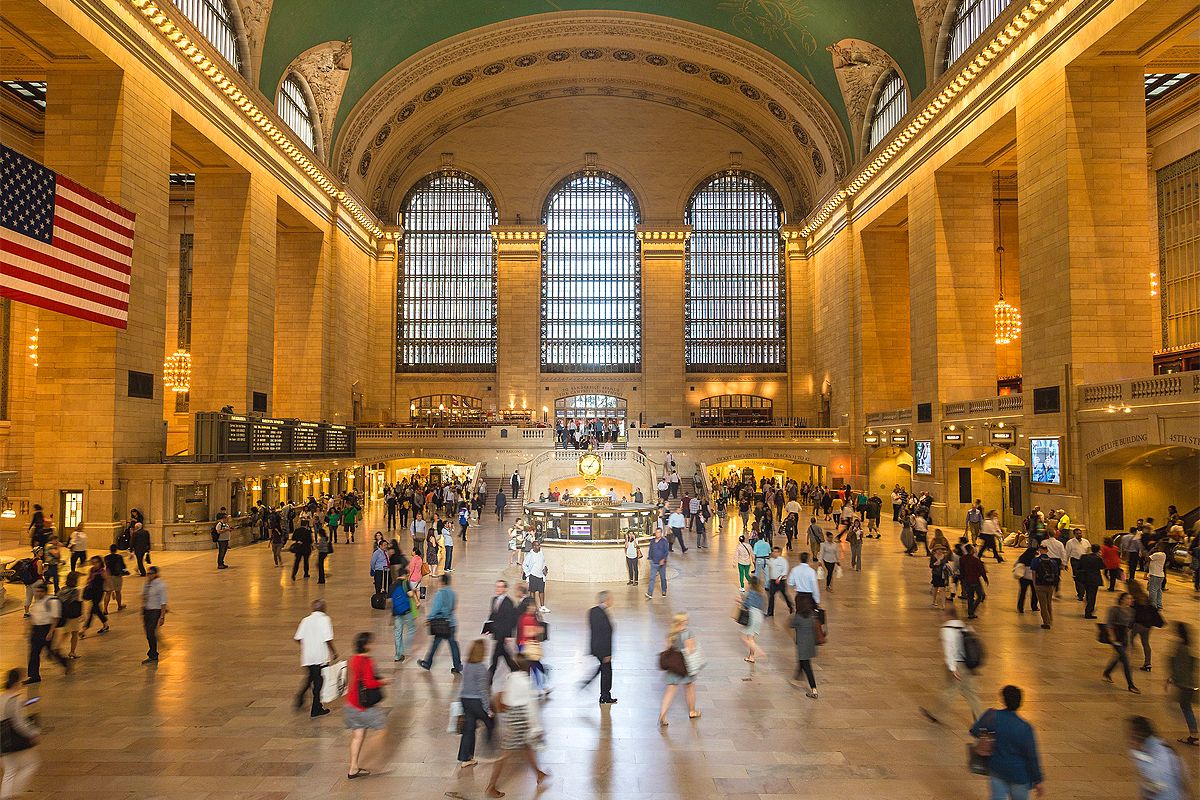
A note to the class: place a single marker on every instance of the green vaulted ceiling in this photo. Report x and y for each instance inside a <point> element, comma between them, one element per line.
<point>386,32</point>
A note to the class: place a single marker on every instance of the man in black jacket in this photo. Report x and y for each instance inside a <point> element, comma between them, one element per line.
<point>601,628</point>
<point>1089,571</point>
<point>501,625</point>
<point>140,544</point>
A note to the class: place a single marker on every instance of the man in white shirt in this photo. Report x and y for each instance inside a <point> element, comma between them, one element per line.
<point>315,636</point>
<point>663,489</point>
<point>44,613</point>
<point>1076,548</point>
<point>1055,549</point>
<point>959,679</point>
<point>1156,575</point>
<point>535,573</point>
<point>777,572</point>
<point>418,530</point>
<point>677,522</point>
<point>803,580</point>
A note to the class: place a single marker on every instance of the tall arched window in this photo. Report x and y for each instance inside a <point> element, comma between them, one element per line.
<point>891,104</point>
<point>446,288</point>
<point>971,19</point>
<point>591,277</point>
<point>734,287</point>
<point>294,109</point>
<point>214,20</point>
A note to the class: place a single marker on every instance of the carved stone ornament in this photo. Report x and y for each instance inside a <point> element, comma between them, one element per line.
<point>858,66</point>
<point>931,17</point>
<point>255,14</point>
<point>325,68</point>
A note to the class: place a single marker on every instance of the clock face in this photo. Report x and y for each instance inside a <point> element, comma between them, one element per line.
<point>590,465</point>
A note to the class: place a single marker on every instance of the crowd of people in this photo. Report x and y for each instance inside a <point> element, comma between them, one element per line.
<point>413,580</point>
<point>589,434</point>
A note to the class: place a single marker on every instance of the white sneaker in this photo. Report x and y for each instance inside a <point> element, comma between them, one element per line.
<point>544,610</point>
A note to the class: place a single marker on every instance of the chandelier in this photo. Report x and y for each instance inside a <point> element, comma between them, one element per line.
<point>1008,318</point>
<point>177,371</point>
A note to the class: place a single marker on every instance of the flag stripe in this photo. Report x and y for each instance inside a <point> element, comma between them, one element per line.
<point>85,261</point>
<point>82,292</point>
<point>48,263</point>
<point>88,196</point>
<point>73,308</point>
<point>67,201</point>
<point>83,251</point>
<point>114,240</point>
<point>63,224</point>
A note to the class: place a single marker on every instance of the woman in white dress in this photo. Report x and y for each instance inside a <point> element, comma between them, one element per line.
<point>522,725</point>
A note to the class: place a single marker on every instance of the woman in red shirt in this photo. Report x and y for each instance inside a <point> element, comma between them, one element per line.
<point>362,711</point>
<point>1112,562</point>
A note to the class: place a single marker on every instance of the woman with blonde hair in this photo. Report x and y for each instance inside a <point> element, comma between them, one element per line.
<point>681,639</point>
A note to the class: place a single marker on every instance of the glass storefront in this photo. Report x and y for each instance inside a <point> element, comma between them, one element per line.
<point>582,524</point>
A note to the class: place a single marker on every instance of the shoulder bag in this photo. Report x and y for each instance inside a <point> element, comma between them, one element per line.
<point>368,696</point>
<point>671,660</point>
<point>979,752</point>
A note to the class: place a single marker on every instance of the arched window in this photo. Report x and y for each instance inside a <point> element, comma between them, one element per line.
<point>971,19</point>
<point>446,287</point>
<point>891,104</point>
<point>215,22</point>
<point>446,409</point>
<point>734,286</point>
<point>294,110</point>
<point>736,409</point>
<point>591,277</point>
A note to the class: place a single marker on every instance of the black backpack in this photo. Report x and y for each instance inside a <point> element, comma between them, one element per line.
<point>123,541</point>
<point>24,571</point>
<point>1046,573</point>
<point>72,609</point>
<point>972,649</point>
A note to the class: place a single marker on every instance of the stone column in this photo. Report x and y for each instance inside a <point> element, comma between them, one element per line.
<point>664,249</point>
<point>1085,227</point>
<point>952,287</point>
<point>300,320</point>
<point>112,135</point>
<point>886,358</point>
<point>233,290</point>
<point>518,308</point>
<point>802,400</point>
<point>381,326</point>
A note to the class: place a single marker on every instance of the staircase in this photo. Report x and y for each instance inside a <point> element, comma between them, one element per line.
<point>493,488</point>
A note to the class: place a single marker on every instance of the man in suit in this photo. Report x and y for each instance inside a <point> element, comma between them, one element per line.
<point>601,628</point>
<point>501,625</point>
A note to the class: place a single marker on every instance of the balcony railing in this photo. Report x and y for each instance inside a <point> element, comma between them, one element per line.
<point>1007,405</point>
<point>1179,387</point>
<point>888,417</point>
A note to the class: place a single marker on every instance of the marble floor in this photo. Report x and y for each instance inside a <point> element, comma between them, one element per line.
<point>214,719</point>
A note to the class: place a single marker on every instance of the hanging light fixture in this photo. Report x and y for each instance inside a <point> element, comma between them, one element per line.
<point>177,371</point>
<point>1008,318</point>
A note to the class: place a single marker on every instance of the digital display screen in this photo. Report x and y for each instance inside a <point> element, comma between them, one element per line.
<point>581,530</point>
<point>924,457</point>
<point>1046,459</point>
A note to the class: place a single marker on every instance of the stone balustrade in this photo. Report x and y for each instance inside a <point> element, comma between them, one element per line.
<point>889,417</point>
<point>1178,387</point>
<point>1004,406</point>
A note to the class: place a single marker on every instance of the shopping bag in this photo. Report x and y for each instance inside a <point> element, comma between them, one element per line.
<point>456,714</point>
<point>334,677</point>
<point>821,572</point>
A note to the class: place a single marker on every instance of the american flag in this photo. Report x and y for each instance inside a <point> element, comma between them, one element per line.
<point>62,247</point>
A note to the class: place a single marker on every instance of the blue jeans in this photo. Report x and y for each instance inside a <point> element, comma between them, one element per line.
<point>1154,588</point>
<point>661,571</point>
<point>1003,790</point>
<point>406,630</point>
<point>454,656</point>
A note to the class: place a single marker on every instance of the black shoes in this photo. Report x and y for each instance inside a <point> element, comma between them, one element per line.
<point>612,701</point>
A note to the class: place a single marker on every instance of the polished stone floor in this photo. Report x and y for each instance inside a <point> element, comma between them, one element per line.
<point>214,719</point>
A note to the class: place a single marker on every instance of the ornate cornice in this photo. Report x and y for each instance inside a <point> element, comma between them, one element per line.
<point>507,49</point>
<point>506,234</point>
<point>664,233</point>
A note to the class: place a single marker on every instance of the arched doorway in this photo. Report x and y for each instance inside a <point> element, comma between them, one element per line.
<point>889,467</point>
<point>1141,482</point>
<point>993,475</point>
<point>589,408</point>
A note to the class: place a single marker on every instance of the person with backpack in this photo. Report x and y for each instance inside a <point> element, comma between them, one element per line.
<point>963,654</point>
<point>221,533</point>
<point>1045,569</point>
<point>29,571</point>
<point>93,592</point>
<point>1013,768</point>
<point>404,613</point>
<point>72,613</point>
<point>464,521</point>
<point>45,613</point>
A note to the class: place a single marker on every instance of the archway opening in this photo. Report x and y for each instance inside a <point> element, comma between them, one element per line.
<point>1134,483</point>
<point>996,477</point>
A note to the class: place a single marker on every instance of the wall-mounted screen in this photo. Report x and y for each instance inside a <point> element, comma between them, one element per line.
<point>1046,459</point>
<point>924,457</point>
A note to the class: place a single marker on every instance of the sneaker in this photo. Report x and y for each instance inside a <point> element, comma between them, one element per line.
<point>424,664</point>
<point>612,701</point>
<point>320,712</point>
<point>649,596</point>
<point>544,610</point>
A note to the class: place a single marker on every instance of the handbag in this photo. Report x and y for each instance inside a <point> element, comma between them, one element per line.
<point>671,660</point>
<point>979,752</point>
<point>821,572</point>
<point>693,659</point>
<point>439,627</point>
<point>369,696</point>
<point>819,634</point>
<point>741,615</point>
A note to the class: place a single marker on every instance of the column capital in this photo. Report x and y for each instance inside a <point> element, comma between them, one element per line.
<point>387,245</point>
<point>795,242</point>
<point>519,241</point>
<point>663,241</point>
